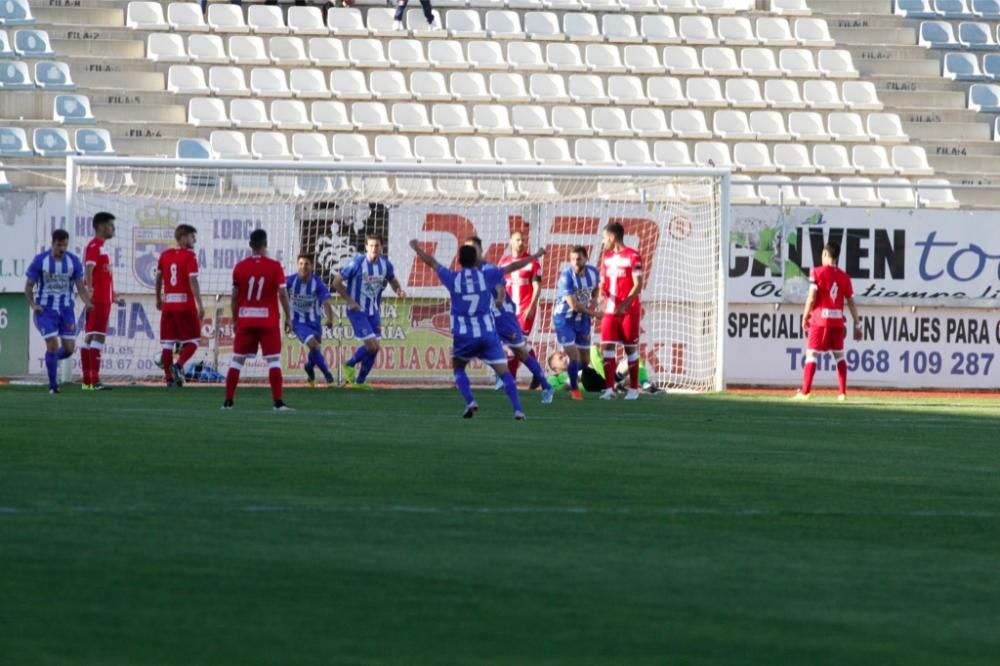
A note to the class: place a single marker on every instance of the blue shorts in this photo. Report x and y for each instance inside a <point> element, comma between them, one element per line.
<point>572,332</point>
<point>305,331</point>
<point>509,329</point>
<point>52,322</point>
<point>365,326</point>
<point>487,348</point>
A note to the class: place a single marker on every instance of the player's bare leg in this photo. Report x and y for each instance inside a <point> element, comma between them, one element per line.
<point>527,356</point>
<point>808,374</point>
<point>838,356</point>
<point>610,365</point>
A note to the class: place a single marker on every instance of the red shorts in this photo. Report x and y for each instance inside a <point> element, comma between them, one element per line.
<point>180,326</point>
<point>249,337</point>
<point>826,338</point>
<point>97,319</point>
<point>623,328</point>
<point>526,323</point>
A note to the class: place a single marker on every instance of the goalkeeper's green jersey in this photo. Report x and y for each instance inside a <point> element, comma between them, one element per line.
<point>597,362</point>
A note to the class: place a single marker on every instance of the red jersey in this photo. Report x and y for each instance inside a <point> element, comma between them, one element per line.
<point>619,271</point>
<point>520,283</point>
<point>97,256</point>
<point>177,266</point>
<point>832,286</point>
<point>257,280</point>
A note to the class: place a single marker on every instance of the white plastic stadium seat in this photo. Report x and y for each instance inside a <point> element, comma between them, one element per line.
<point>783,94</point>
<point>525,57</point>
<point>659,30</point>
<point>451,119</point>
<point>571,121</point>
<point>650,122</point>
<point>793,158</point>
<point>248,50</point>
<point>769,126</point>
<point>186,17</point>
<point>697,30</point>
<point>783,194</point>
<point>790,7</point>
<point>620,29</point>
<point>266,20</point>
<point>553,151</point>
<point>307,83</point>
<point>743,193</point>
<point>603,59</point>
<point>327,52</point>
<point>666,91</point>
<point>580,27</point>
<point>380,22</point>
<point>513,150</point>
<point>306,21</point>
<point>469,87</point>
<point>818,191</point>
<point>229,145</point>
<point>145,16</point>
<point>736,31</point>
<point>911,161</point>
<point>564,57</point>
<point>371,117</point>
<point>672,154</point>
<point>548,89</point>
<point>847,127</point>
<point>813,32</point>
<point>252,114</point>
<point>753,158</point>
<point>491,119</point>
<point>164,47</point>
<point>863,196</point>
<point>501,24</point>
<point>587,89</point>
<point>407,54</point>
<point>807,126</point>
<point>446,54</point>
<point>624,89</point>
<point>720,61</point>
<point>937,197</point>
<point>732,125</point>
<point>713,154</point>
<point>310,146</point>
<point>759,62</point>
<point>226,18</point>
<point>464,24</point>
<point>610,121</point>
<point>366,53</point>
<point>207,112</point>
<point>886,128</point>
<point>871,160</point>
<point>643,59</point>
<point>287,51</point>
<point>388,85</point>
<point>689,124</point>
<point>393,148</point>
<point>837,64</point>
<point>346,22</point>
<point>682,60</point>
<point>744,93</point>
<point>861,96</point>
<point>832,158</point>
<point>269,82</point>
<point>350,148</point>
<point>186,80</point>
<point>207,50</point>
<point>705,92</point>
<point>508,88</point>
<point>486,55</point>
<point>530,119</point>
<point>473,150</point>
<point>349,84</point>
<point>269,146</point>
<point>902,196</point>
<point>411,118</point>
<point>542,26</point>
<point>429,87</point>
<point>633,153</point>
<point>823,94</point>
<point>594,152</point>
<point>798,63</point>
<point>773,31</point>
<point>331,116</point>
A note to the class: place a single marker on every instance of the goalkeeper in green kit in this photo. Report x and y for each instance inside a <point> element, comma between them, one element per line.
<point>592,376</point>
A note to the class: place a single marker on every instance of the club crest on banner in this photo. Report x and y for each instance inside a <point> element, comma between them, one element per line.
<point>153,233</point>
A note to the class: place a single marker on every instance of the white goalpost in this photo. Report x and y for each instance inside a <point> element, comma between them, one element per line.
<point>677,218</point>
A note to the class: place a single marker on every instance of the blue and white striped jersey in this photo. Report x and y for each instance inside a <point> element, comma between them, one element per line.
<point>508,302</point>
<point>366,280</point>
<point>54,279</point>
<point>307,298</point>
<point>580,287</point>
<point>472,292</point>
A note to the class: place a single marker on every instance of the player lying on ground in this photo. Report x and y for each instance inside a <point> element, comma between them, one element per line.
<point>55,272</point>
<point>621,372</point>
<point>524,289</point>
<point>178,298</point>
<point>588,377</point>
<point>361,284</point>
<point>621,283</point>
<point>308,293</point>
<point>573,314</point>
<point>472,325</point>
<point>823,319</point>
<point>100,284</point>
<point>510,332</point>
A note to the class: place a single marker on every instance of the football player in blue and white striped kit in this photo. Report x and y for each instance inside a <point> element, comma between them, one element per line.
<point>361,284</point>
<point>473,328</point>
<point>310,298</point>
<point>55,272</point>
<point>574,312</point>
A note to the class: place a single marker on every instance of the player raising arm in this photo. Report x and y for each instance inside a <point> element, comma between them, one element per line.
<point>258,288</point>
<point>178,298</point>
<point>100,284</point>
<point>574,312</point>
<point>308,293</point>
<point>621,283</point>
<point>55,272</point>
<point>524,288</point>
<point>823,318</point>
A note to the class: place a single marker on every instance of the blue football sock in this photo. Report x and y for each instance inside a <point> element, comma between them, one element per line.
<point>316,359</point>
<point>359,355</point>
<point>536,371</point>
<point>62,353</point>
<point>510,388</point>
<point>464,386</point>
<point>573,370</point>
<point>51,364</point>
<point>366,367</point>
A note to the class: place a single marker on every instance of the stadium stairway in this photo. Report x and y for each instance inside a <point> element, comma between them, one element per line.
<point>128,96</point>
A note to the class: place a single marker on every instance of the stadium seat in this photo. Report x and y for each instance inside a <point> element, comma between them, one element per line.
<point>53,76</point>
<point>268,82</point>
<point>753,158</point>
<point>655,5</point>
<point>847,127</point>
<point>16,12</point>
<point>193,149</point>
<point>697,30</point>
<point>807,126</point>
<point>371,117</point>
<point>473,150</point>
<point>548,89</point>
<point>744,93</point>
<point>984,97</point>
<point>759,62</point>
<point>774,31</point>
<point>526,57</point>
<point>813,32</point>
<point>30,43</point>
<point>542,26</point>
<point>310,146</point>
<point>508,88</point>
<point>682,60</point>
<point>513,150</point>
<point>366,53</point>
<point>911,161</point>
<point>863,196</point>
<point>529,119</point>
<point>52,142</point>
<point>736,31</point>
<point>345,22</point>
<point>269,146</point>
<point>642,59</point>
<point>732,125</point>
<point>594,152</point>
<point>718,6</point>
<point>451,119</point>
<point>306,21</point>
<point>349,84</point>
<point>15,75</point>
<point>793,158</point>
<point>93,141</point>
<point>822,95</point>
<point>743,193</point>
<point>580,27</point>
<point>713,154</point>
<point>394,148</point>
<point>166,47</point>
<point>464,24</point>
<point>689,124</point>
<point>790,7</point>
<point>659,30</point>
<point>602,5</point>
<point>446,54</point>
<point>571,121</point>
<point>633,153</point>
<point>769,126</point>
<point>226,19</point>
<point>207,50</point>
<point>886,128</point>
<point>6,51</point>
<point>973,35</point>
<point>937,35</point>
<point>915,9</point>
<point>936,197</point>
<point>783,94</point>
<point>287,51</point>
<point>327,115</point>
<point>552,151</point>
<point>207,112</point>
<point>797,63</point>
<point>671,6</point>
<point>603,59</point>
<point>837,64</point>
<point>308,84</point>
<point>832,158</point>
<point>72,110</point>
<point>672,154</point>
<point>780,194</point>
<point>649,122</point>
<point>861,96</point>
<point>418,25</point>
<point>14,143</point>
<point>429,87</point>
<point>962,66</point>
<point>953,9</point>
<point>871,160</point>
<point>407,54</point>
<point>705,92</point>
<point>4,183</point>
<point>620,29</point>
<point>266,20</point>
<point>252,114</point>
<point>626,90</point>
<point>411,118</point>
<point>988,10</point>
<point>350,148</point>
<point>504,24</point>
<point>818,191</point>
<point>327,52</point>
<point>564,57</point>
<point>486,55</point>
<point>248,50</point>
<point>138,15</point>
<point>610,121</point>
<point>897,197</point>
<point>720,61</point>
<point>666,91</point>
<point>388,85</point>
<point>381,22</point>
<point>469,87</point>
<point>587,89</point>
<point>185,80</point>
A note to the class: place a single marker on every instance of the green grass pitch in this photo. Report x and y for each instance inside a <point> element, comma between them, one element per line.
<point>146,527</point>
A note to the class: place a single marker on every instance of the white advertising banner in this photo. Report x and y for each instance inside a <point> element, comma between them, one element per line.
<point>903,348</point>
<point>894,257</point>
<point>18,225</point>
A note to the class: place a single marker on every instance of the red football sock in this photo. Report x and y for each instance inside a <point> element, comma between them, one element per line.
<point>513,363</point>
<point>187,351</point>
<point>232,379</point>
<point>274,377</point>
<point>85,362</point>
<point>167,358</point>
<point>842,375</point>
<point>633,373</point>
<point>610,367</point>
<point>808,373</point>
<point>95,362</point>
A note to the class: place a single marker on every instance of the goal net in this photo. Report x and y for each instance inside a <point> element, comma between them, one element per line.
<point>674,218</point>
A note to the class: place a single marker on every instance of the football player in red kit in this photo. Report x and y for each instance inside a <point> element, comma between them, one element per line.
<point>621,284</point>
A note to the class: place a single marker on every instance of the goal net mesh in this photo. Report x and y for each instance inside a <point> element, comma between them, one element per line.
<point>673,220</point>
